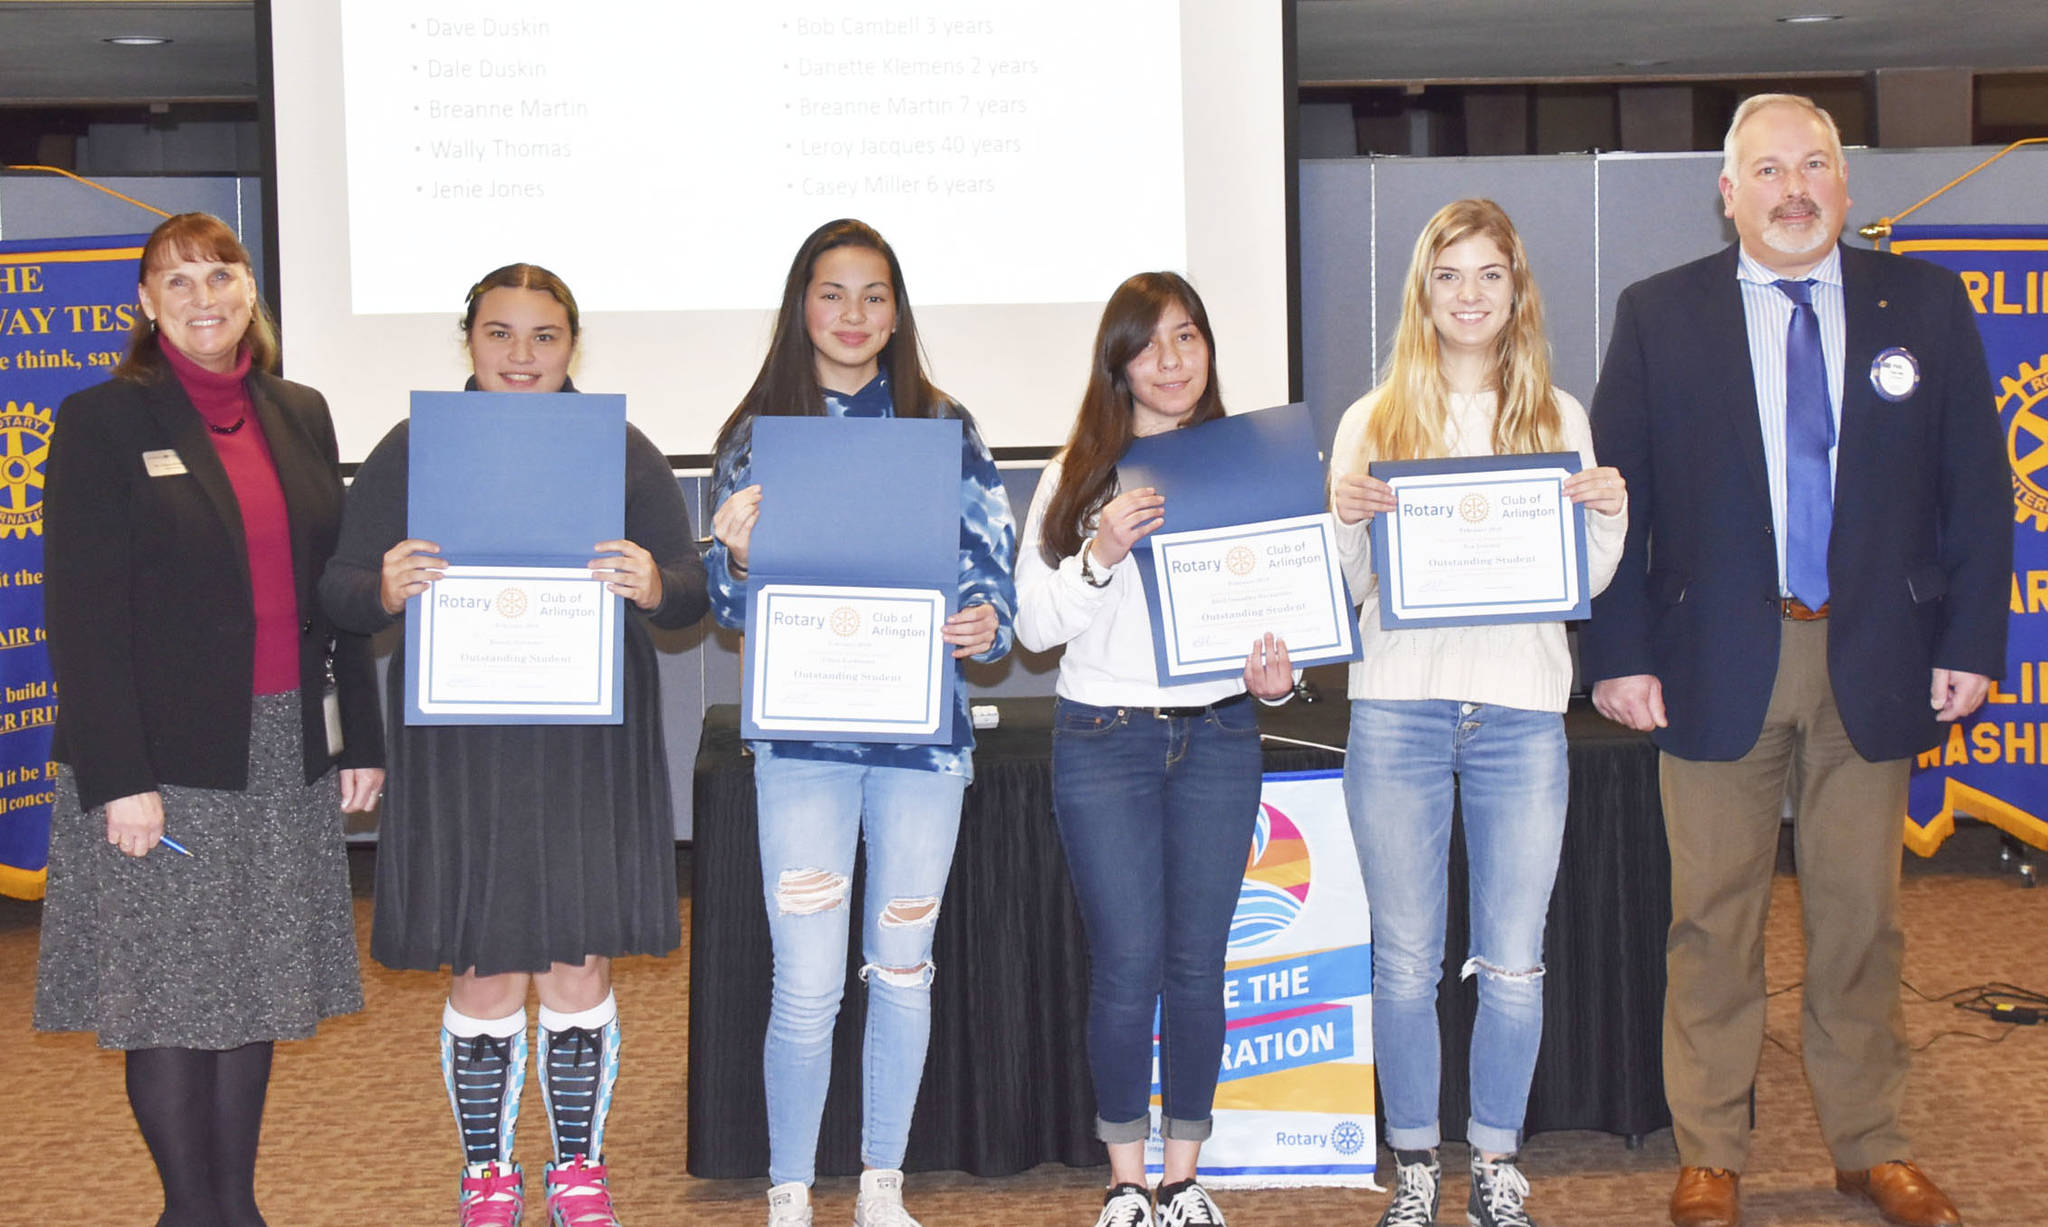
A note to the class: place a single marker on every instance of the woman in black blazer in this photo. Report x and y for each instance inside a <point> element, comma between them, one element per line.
<point>198,905</point>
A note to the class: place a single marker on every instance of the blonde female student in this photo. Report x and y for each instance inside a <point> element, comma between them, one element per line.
<point>1471,710</point>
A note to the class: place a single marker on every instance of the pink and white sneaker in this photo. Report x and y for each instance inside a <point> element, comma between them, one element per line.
<point>493,1195</point>
<point>578,1195</point>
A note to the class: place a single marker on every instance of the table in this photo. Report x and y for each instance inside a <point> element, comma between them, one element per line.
<point>1006,1080</point>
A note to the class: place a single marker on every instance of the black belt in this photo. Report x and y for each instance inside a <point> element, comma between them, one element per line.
<point>1189,713</point>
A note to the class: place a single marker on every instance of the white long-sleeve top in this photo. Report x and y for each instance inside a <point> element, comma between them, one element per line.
<point>1107,630</point>
<point>1522,664</point>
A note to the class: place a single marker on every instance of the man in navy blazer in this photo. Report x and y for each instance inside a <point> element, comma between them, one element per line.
<point>1815,576</point>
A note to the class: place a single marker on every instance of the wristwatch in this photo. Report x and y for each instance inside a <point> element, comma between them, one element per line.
<point>1089,575</point>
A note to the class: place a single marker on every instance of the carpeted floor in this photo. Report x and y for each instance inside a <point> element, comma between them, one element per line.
<point>358,1131</point>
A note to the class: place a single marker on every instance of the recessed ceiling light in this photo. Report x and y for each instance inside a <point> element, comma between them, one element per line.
<point>1808,19</point>
<point>1640,63</point>
<point>136,40</point>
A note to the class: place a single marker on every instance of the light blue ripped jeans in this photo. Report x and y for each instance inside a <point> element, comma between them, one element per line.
<point>812,817</point>
<point>1510,772</point>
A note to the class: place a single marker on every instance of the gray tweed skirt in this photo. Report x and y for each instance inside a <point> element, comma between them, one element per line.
<point>250,938</point>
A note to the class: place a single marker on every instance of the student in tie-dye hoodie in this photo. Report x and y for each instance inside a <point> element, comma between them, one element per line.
<point>845,345</point>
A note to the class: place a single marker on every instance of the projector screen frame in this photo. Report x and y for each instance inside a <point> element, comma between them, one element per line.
<point>276,270</point>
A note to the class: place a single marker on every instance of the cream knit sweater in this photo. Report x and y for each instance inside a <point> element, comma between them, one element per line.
<point>1523,664</point>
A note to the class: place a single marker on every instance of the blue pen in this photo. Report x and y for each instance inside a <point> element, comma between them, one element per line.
<point>174,845</point>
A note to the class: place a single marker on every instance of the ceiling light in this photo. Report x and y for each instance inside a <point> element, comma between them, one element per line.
<point>136,40</point>
<point>1808,19</point>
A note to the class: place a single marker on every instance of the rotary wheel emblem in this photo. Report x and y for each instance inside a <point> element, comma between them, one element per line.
<point>24,443</point>
<point>511,602</point>
<point>844,621</point>
<point>1474,508</point>
<point>1240,560</point>
<point>2023,401</point>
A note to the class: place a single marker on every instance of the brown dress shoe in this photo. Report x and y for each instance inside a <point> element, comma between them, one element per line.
<point>1705,1197</point>
<point>1902,1193</point>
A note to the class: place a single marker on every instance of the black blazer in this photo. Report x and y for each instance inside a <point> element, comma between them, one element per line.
<point>1921,550</point>
<point>146,591</point>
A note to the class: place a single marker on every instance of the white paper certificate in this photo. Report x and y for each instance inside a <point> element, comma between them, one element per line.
<point>849,660</point>
<point>1221,588</point>
<point>515,642</point>
<point>1481,546</point>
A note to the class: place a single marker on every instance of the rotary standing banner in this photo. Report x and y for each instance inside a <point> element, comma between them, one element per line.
<point>65,309</point>
<point>1294,1103</point>
<point>1994,765</point>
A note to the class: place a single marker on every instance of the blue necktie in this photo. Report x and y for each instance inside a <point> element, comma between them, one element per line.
<point>1809,432</point>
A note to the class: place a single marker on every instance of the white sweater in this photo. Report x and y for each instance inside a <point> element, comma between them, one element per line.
<point>1108,630</point>
<point>1522,664</point>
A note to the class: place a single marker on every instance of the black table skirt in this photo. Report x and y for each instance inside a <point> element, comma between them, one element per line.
<point>1006,1082</point>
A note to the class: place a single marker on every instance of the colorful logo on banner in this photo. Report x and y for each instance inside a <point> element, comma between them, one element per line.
<point>1994,765</point>
<point>65,309</point>
<point>1294,1096</point>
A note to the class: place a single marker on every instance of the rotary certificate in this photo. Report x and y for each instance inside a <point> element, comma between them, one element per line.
<point>516,643</point>
<point>834,660</point>
<point>1221,588</point>
<point>1476,545</point>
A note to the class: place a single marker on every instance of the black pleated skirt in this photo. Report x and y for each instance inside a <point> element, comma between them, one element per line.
<point>508,848</point>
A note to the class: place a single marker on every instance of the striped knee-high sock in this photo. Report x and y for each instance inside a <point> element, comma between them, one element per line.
<point>483,1061</point>
<point>579,1066</point>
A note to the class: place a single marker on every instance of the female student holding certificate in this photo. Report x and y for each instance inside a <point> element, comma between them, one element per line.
<point>1475,706</point>
<point>522,854</point>
<point>1156,788</point>
<point>845,345</point>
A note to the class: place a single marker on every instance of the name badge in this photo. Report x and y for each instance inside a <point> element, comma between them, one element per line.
<point>1894,373</point>
<point>162,464</point>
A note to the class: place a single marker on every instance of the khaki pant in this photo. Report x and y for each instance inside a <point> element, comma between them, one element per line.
<point>1722,820</point>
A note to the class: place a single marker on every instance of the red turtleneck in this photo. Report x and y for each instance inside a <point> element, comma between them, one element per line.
<point>222,400</point>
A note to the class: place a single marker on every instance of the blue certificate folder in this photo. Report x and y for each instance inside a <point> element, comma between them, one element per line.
<point>854,502</point>
<point>1246,468</point>
<point>1504,609</point>
<point>526,479</point>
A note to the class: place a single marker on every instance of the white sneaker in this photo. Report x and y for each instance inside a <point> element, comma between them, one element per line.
<point>1126,1205</point>
<point>881,1201</point>
<point>789,1205</point>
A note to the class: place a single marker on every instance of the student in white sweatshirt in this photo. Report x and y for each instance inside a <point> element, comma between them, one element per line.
<point>1473,709</point>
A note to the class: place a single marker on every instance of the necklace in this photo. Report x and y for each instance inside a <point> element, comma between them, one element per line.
<point>231,428</point>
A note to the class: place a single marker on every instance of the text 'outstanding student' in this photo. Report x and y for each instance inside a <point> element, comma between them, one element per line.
<point>845,345</point>
<point>1155,787</point>
<point>198,908</point>
<point>1473,709</point>
<point>525,855</point>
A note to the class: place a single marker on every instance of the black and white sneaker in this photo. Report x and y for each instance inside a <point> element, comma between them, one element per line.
<point>1187,1204</point>
<point>1418,1188</point>
<point>1498,1187</point>
<point>1126,1205</point>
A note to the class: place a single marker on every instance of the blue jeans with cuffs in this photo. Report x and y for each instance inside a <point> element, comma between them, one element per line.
<point>1510,775</point>
<point>1156,813</point>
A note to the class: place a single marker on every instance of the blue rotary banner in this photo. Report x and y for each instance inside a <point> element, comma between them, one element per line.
<point>1991,766</point>
<point>1294,1097</point>
<point>65,309</point>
